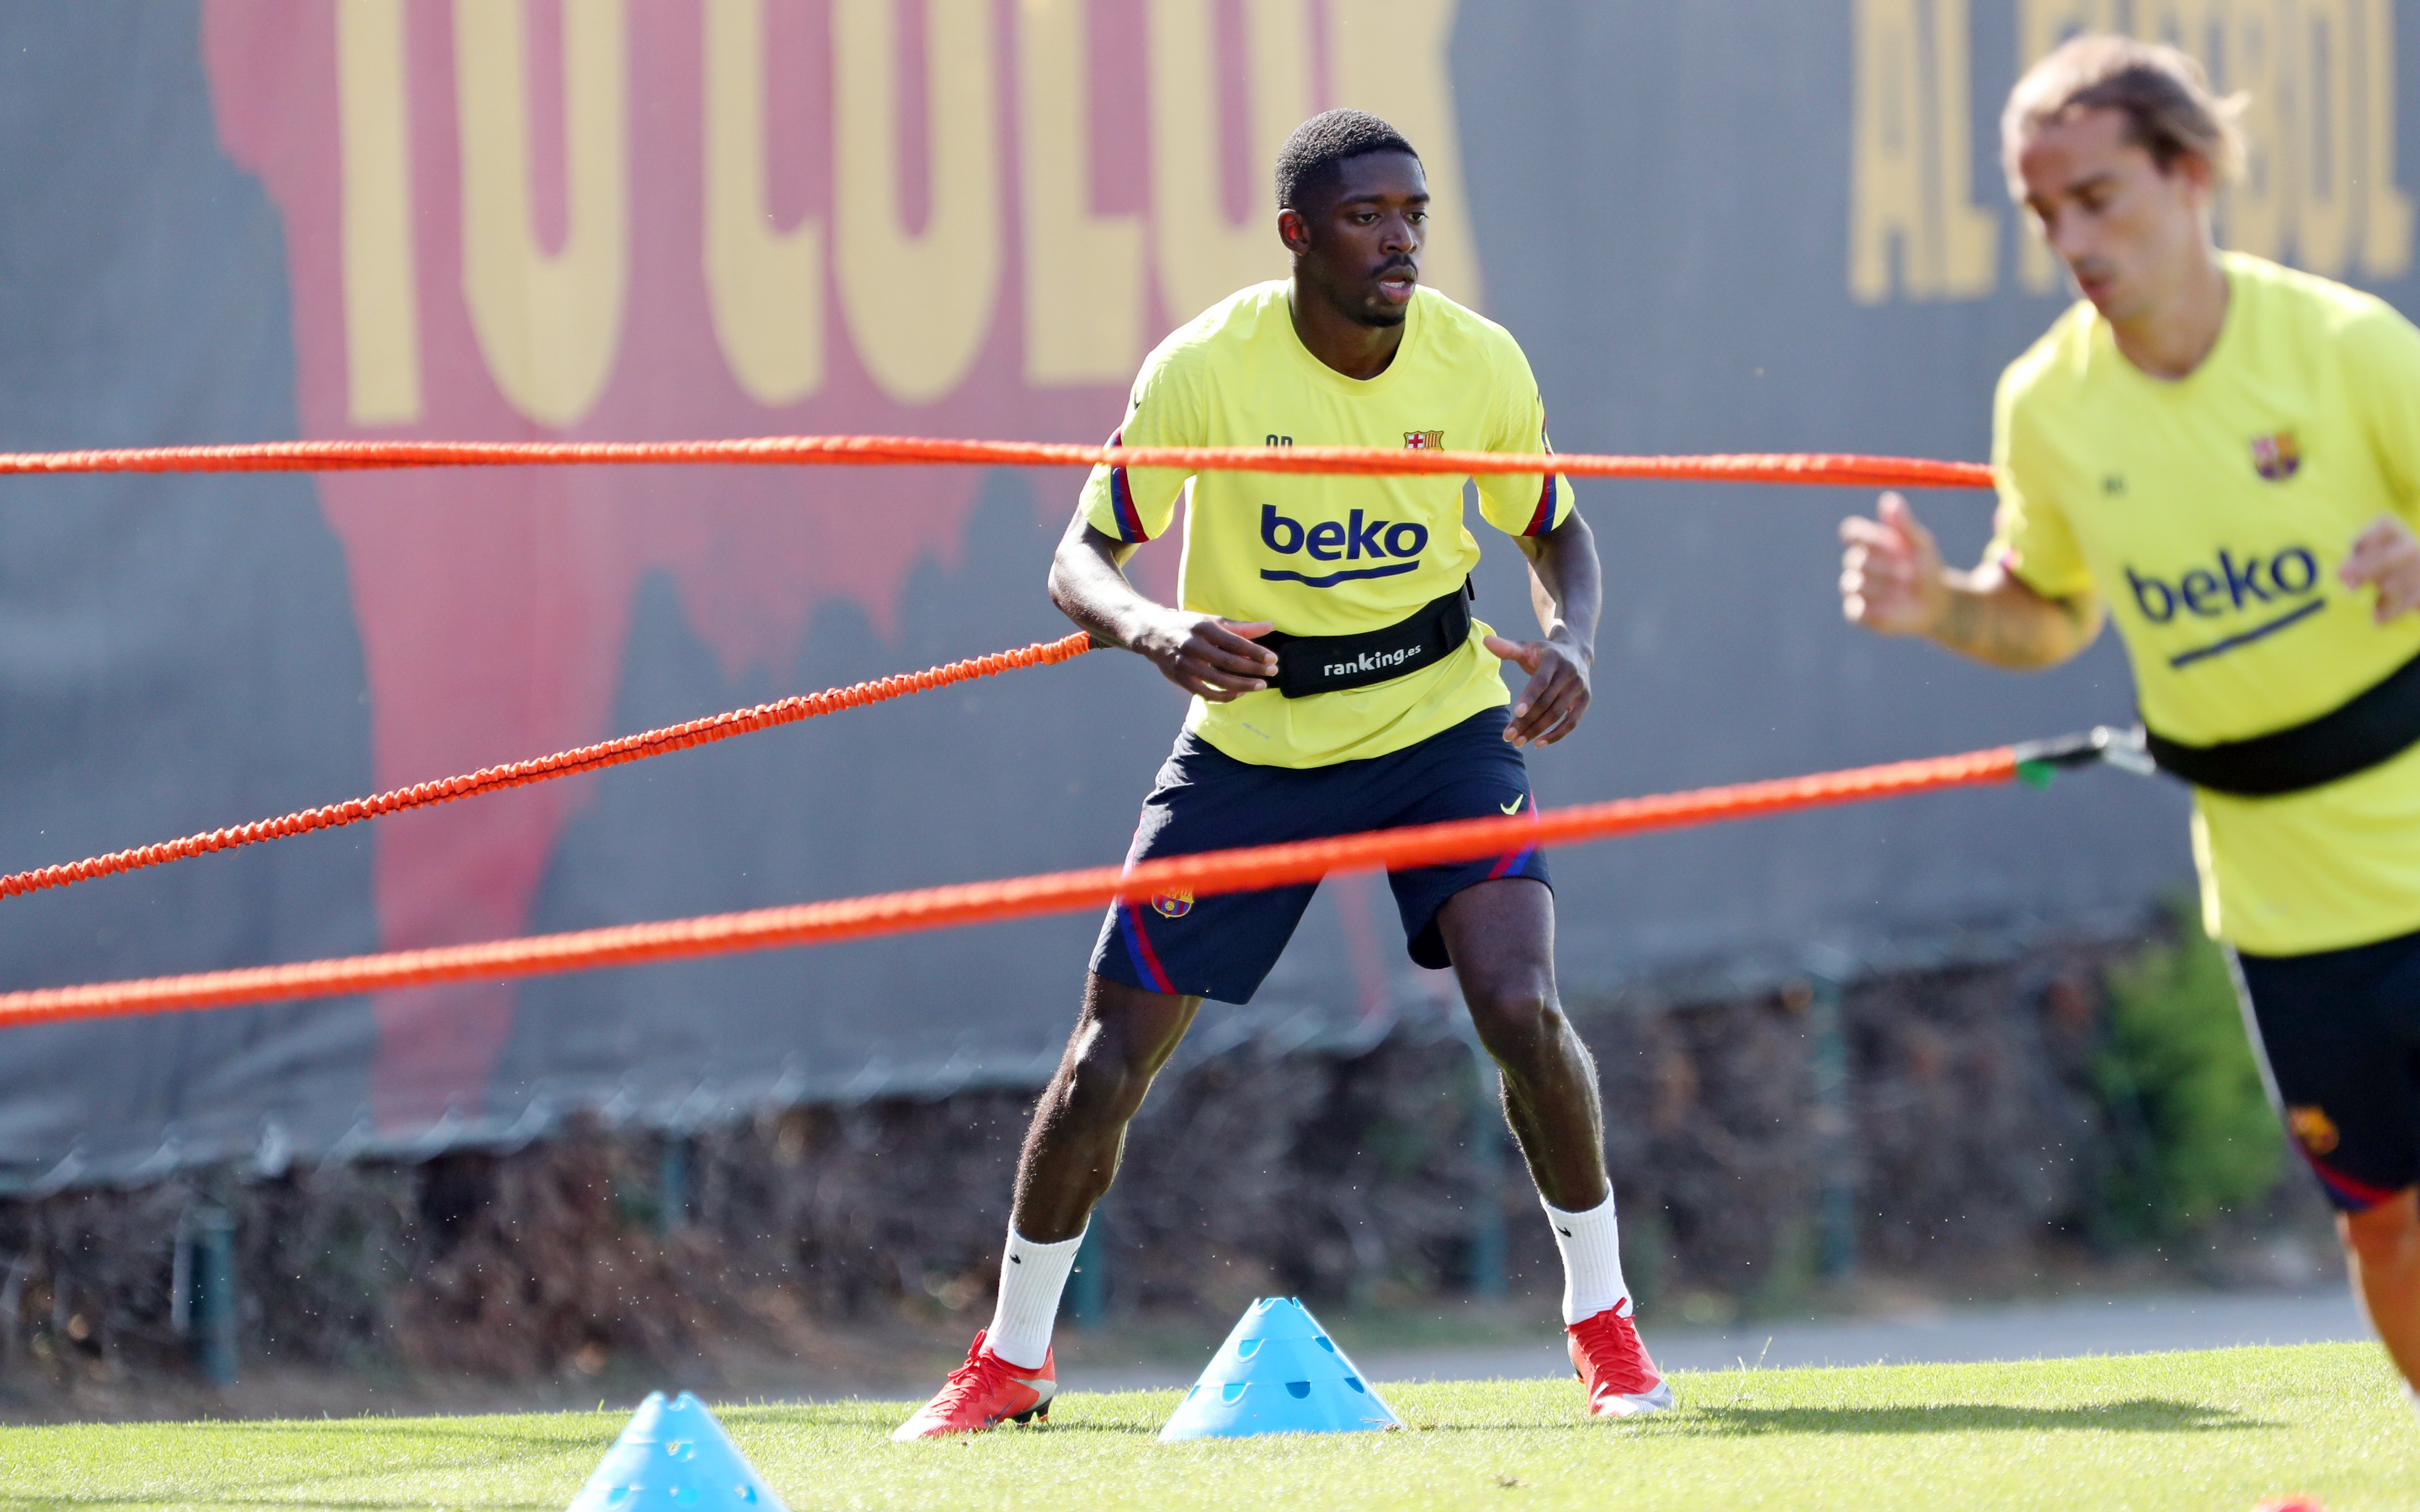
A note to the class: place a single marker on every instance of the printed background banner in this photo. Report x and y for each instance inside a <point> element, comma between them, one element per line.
<point>1731,225</point>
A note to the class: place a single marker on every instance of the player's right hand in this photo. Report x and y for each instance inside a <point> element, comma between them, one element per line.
<point>1212,659</point>
<point>1890,572</point>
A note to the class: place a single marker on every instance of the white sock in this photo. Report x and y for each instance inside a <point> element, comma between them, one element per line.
<point>1031,1276</point>
<point>1592,1248</point>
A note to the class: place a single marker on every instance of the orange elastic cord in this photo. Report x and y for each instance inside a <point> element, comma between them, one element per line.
<point>978,903</point>
<point>898,451</point>
<point>547,768</point>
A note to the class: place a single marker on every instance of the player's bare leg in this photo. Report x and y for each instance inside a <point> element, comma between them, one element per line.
<point>1124,1036</point>
<point>1501,937</point>
<point>2383,1246</point>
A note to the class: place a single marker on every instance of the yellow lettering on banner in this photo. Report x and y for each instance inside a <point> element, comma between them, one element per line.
<point>766,285</point>
<point>1203,255</point>
<point>2319,124</point>
<point>2257,213</point>
<point>1970,233</point>
<point>2385,209</point>
<point>382,293</point>
<point>2323,142</point>
<point>1912,157</point>
<point>548,324</point>
<point>919,306</point>
<point>1885,174</point>
<point>1393,59</point>
<point>2196,26</point>
<point>1083,271</point>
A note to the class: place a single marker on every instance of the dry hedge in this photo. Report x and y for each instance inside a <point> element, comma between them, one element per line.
<point>1975,1129</point>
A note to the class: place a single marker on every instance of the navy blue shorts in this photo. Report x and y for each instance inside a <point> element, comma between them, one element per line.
<point>2341,1033</point>
<point>1222,946</point>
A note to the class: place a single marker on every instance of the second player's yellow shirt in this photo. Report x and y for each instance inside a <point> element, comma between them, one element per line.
<point>2211,513</point>
<point>1326,555</point>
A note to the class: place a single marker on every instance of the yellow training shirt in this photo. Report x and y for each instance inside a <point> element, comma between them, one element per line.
<point>2211,513</point>
<point>1324,555</point>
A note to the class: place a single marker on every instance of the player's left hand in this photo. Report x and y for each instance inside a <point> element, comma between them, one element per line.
<point>1550,707</point>
<point>2387,555</point>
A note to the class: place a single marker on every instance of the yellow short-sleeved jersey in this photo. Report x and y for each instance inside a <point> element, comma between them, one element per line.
<point>1323,555</point>
<point>2211,513</point>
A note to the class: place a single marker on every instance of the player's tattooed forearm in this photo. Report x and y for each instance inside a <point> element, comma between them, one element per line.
<point>2013,633</point>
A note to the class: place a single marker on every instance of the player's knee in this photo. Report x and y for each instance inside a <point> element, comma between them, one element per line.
<point>2386,1237</point>
<point>1514,1018</point>
<point>1105,1077</point>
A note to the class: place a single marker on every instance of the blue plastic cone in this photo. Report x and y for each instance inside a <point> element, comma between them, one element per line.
<point>674,1457</point>
<point>1279,1372</point>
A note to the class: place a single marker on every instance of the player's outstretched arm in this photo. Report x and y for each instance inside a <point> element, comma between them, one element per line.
<point>2386,555</point>
<point>1202,653</point>
<point>1892,581</point>
<point>1566,591</point>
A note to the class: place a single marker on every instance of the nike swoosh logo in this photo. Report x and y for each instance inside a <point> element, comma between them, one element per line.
<point>1514,807</point>
<point>1565,1232</point>
<point>1017,1260</point>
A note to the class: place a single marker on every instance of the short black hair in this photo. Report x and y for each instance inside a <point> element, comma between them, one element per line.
<point>1320,145</point>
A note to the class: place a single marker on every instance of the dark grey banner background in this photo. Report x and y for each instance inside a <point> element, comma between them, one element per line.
<point>1661,197</point>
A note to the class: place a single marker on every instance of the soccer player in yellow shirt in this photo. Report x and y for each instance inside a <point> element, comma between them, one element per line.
<point>2224,456</point>
<point>1339,683</point>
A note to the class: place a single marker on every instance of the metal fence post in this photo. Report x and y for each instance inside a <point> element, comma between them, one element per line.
<point>1836,1192</point>
<point>210,1270</point>
<point>672,1184</point>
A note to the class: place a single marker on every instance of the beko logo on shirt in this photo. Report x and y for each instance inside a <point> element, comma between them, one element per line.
<point>2251,582</point>
<point>1396,543</point>
<point>2207,595</point>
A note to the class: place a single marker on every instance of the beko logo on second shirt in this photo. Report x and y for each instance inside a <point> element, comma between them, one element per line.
<point>2286,580</point>
<point>1395,543</point>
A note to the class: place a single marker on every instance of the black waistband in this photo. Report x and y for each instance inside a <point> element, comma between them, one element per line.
<point>2373,726</point>
<point>1309,664</point>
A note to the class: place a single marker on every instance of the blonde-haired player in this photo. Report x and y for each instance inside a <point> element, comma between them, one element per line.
<point>2223,455</point>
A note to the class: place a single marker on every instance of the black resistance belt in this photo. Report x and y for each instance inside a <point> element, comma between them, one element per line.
<point>2372,727</point>
<point>1309,664</point>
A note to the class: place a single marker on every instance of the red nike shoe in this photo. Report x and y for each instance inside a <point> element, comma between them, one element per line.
<point>1622,1380</point>
<point>982,1393</point>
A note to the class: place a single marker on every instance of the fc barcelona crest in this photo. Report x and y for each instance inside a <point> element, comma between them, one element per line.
<point>2277,457</point>
<point>1424,440</point>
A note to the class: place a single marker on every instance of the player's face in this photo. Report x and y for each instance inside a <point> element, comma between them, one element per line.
<point>2128,231</point>
<point>1361,247</point>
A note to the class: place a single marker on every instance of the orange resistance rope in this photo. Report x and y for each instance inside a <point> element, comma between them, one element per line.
<point>977,903</point>
<point>891,451</point>
<point>563,763</point>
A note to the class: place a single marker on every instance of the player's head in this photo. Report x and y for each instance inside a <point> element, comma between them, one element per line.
<point>1352,207</point>
<point>2118,146</point>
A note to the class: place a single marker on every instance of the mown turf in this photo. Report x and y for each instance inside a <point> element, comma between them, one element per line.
<point>2217,1430</point>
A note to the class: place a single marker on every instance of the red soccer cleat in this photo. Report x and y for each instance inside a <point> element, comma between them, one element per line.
<point>982,1393</point>
<point>1622,1380</point>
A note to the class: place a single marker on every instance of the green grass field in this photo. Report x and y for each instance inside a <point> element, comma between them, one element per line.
<point>2217,1430</point>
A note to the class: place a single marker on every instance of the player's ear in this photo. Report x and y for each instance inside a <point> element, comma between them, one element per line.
<point>1294,230</point>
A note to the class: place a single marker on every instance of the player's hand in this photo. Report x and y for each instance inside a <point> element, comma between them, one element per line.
<point>1209,657</point>
<point>1550,707</point>
<point>2387,555</point>
<point>1890,573</point>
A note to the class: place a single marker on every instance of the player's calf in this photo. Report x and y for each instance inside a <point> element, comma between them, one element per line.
<point>2383,1242</point>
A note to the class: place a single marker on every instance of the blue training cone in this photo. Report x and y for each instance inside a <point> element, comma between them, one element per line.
<point>674,1457</point>
<point>1279,1372</point>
